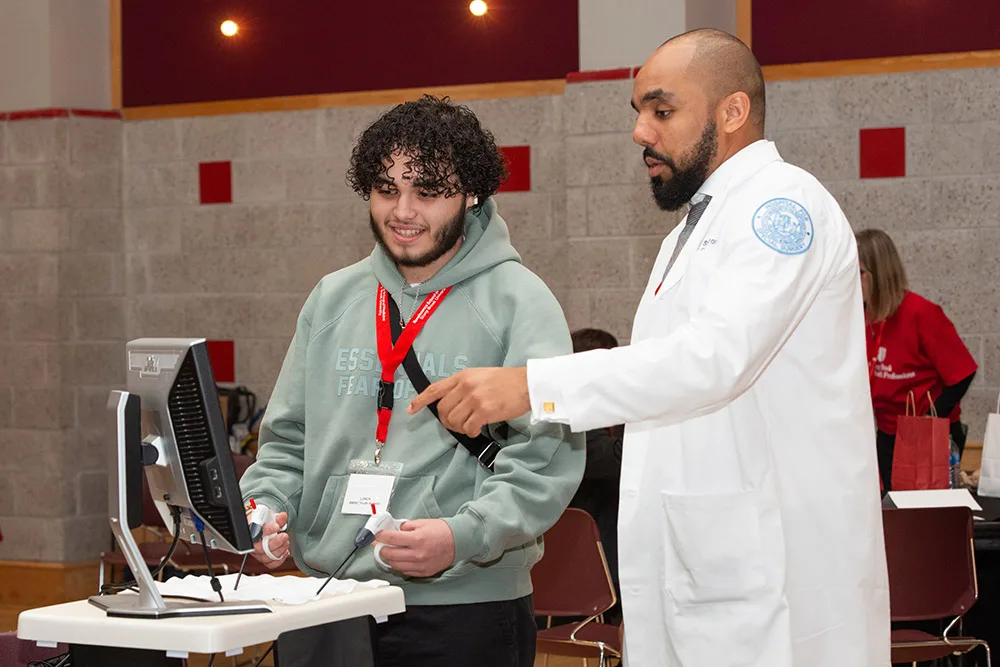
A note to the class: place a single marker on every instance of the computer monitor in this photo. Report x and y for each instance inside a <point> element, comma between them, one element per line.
<point>170,428</point>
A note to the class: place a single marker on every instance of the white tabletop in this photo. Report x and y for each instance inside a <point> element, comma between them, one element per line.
<point>83,623</point>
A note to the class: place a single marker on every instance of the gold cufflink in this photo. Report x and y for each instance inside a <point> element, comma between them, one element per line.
<point>548,406</point>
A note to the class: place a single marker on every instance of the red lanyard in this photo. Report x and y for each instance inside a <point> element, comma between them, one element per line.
<point>391,356</point>
<point>878,344</point>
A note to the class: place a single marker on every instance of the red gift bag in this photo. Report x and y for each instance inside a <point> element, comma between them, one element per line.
<point>923,444</point>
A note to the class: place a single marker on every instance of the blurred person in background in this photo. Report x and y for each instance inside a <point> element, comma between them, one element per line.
<point>912,347</point>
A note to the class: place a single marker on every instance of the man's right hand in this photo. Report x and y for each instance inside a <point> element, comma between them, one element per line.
<point>277,542</point>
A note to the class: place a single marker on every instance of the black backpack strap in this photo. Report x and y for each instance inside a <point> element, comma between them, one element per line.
<point>482,447</point>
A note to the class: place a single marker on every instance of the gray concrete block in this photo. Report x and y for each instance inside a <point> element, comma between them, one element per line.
<point>604,159</point>
<point>168,184</point>
<point>807,103</point>
<point>210,138</point>
<point>259,181</point>
<point>283,133</point>
<point>943,150</point>
<point>96,140</point>
<point>599,263</point>
<point>152,141</point>
<point>45,140</point>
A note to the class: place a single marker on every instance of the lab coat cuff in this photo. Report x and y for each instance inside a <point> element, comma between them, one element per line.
<point>546,392</point>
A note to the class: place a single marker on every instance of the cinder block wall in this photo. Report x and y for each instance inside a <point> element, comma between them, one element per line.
<point>944,214</point>
<point>103,239</point>
<point>62,331</point>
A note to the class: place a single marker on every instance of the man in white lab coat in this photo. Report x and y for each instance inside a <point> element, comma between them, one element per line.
<point>750,526</point>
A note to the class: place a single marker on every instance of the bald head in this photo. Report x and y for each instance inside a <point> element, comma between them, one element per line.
<point>699,101</point>
<point>724,65</point>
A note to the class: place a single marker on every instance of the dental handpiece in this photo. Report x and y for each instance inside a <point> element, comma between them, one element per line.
<point>377,522</point>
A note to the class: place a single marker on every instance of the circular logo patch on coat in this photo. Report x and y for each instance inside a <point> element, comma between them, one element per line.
<point>784,225</point>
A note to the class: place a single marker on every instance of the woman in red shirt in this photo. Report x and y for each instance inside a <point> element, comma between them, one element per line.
<point>912,346</point>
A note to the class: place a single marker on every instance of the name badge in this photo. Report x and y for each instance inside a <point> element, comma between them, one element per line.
<point>366,491</point>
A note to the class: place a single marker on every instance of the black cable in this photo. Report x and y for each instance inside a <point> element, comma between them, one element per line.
<point>337,571</point>
<point>176,511</point>
<point>266,653</point>
<point>61,660</point>
<point>211,661</point>
<point>240,575</point>
<point>107,588</point>
<point>216,585</point>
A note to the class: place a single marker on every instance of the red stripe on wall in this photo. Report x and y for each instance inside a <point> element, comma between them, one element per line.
<point>599,75</point>
<point>34,114</point>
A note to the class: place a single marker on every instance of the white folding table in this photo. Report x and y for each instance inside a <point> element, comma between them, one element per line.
<point>81,623</point>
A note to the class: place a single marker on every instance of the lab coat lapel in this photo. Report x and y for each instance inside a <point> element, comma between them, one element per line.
<point>698,235</point>
<point>729,175</point>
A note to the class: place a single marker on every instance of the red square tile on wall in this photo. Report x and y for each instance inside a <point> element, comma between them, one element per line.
<point>883,152</point>
<point>518,160</point>
<point>222,354</point>
<point>215,180</point>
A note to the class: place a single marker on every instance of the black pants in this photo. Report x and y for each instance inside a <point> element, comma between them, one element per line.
<point>886,445</point>
<point>488,634</point>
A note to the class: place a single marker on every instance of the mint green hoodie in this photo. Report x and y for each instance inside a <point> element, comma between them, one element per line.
<point>322,416</point>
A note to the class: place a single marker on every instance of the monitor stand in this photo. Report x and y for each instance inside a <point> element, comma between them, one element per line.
<point>130,605</point>
<point>149,603</point>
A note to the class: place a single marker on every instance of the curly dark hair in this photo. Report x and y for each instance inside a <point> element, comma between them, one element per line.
<point>450,151</point>
<point>592,339</point>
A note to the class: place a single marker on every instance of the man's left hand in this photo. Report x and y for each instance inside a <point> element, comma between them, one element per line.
<point>420,548</point>
<point>475,397</point>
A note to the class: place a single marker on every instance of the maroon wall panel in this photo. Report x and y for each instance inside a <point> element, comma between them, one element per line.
<point>174,52</point>
<point>801,31</point>
<point>518,159</point>
<point>883,152</point>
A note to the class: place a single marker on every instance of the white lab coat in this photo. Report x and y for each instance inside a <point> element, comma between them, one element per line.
<point>750,529</point>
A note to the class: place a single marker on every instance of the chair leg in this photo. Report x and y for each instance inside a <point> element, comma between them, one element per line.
<point>548,625</point>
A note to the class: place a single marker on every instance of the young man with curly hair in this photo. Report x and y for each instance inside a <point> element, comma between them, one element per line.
<point>445,279</point>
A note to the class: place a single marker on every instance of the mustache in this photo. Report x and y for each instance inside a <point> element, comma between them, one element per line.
<point>653,155</point>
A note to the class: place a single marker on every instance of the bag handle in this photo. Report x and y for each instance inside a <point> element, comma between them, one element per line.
<point>933,409</point>
<point>911,403</point>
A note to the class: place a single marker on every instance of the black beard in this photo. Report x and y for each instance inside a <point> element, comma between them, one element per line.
<point>676,191</point>
<point>444,240</point>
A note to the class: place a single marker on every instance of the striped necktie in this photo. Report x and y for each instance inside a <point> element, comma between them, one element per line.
<point>693,216</point>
